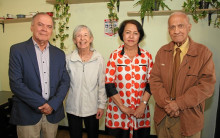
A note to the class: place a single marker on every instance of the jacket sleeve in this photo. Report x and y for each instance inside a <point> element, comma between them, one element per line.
<point>17,78</point>
<point>156,83</point>
<point>204,87</point>
<point>102,98</point>
<point>62,86</point>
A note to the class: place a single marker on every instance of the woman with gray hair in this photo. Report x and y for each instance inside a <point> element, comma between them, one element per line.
<point>87,97</point>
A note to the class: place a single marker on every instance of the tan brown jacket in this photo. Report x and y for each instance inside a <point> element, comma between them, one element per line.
<point>195,83</point>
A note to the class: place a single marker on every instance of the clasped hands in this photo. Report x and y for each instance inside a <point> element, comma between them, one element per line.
<point>138,113</point>
<point>46,109</point>
<point>172,109</point>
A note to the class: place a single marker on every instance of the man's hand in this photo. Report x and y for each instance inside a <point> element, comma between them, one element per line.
<point>46,109</point>
<point>172,109</point>
<point>140,110</point>
<point>177,114</point>
<point>99,114</point>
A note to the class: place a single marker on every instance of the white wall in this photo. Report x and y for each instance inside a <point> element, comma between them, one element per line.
<point>93,15</point>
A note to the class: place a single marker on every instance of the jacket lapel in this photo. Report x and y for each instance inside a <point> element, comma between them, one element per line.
<point>33,56</point>
<point>192,52</point>
<point>169,64</point>
<point>52,62</point>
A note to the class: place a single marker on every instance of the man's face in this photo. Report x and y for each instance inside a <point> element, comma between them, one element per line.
<point>179,28</point>
<point>42,28</point>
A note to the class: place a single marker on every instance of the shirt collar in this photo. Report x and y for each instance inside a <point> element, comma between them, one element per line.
<point>36,45</point>
<point>184,46</point>
<point>123,51</point>
<point>75,55</point>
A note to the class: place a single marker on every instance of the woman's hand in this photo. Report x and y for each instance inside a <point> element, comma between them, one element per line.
<point>99,114</point>
<point>140,110</point>
<point>117,100</point>
<point>126,110</point>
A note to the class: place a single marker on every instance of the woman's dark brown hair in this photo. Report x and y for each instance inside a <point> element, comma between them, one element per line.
<point>136,23</point>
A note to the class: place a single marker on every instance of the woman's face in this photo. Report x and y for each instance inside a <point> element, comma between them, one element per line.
<point>131,35</point>
<point>83,39</point>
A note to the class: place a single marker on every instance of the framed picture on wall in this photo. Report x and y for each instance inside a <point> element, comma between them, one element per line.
<point>110,27</point>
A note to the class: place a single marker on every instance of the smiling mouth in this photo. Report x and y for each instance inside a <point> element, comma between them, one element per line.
<point>83,43</point>
<point>178,36</point>
<point>44,34</point>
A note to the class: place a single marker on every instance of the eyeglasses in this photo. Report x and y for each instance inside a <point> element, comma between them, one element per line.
<point>174,27</point>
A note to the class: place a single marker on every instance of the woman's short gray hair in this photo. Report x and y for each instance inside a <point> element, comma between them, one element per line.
<point>80,27</point>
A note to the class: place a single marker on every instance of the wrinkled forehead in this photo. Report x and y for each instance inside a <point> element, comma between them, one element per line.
<point>177,19</point>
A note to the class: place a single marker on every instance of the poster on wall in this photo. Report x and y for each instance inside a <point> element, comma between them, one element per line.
<point>109,27</point>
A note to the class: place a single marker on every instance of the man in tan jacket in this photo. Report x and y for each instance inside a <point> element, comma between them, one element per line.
<point>180,100</point>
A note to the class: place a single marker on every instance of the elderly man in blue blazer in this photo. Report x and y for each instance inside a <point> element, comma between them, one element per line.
<point>39,81</point>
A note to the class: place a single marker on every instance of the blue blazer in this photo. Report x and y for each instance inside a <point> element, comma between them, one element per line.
<point>25,83</point>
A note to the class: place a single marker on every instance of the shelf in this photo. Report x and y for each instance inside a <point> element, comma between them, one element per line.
<point>167,12</point>
<point>82,1</point>
<point>15,20</point>
<point>18,20</point>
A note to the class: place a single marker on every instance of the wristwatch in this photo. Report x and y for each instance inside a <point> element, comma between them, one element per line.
<point>145,102</point>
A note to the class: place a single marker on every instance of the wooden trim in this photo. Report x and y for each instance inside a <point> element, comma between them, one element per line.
<point>82,1</point>
<point>17,20</point>
<point>167,12</point>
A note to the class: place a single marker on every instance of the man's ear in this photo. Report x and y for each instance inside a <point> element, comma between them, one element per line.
<point>190,26</point>
<point>31,28</point>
